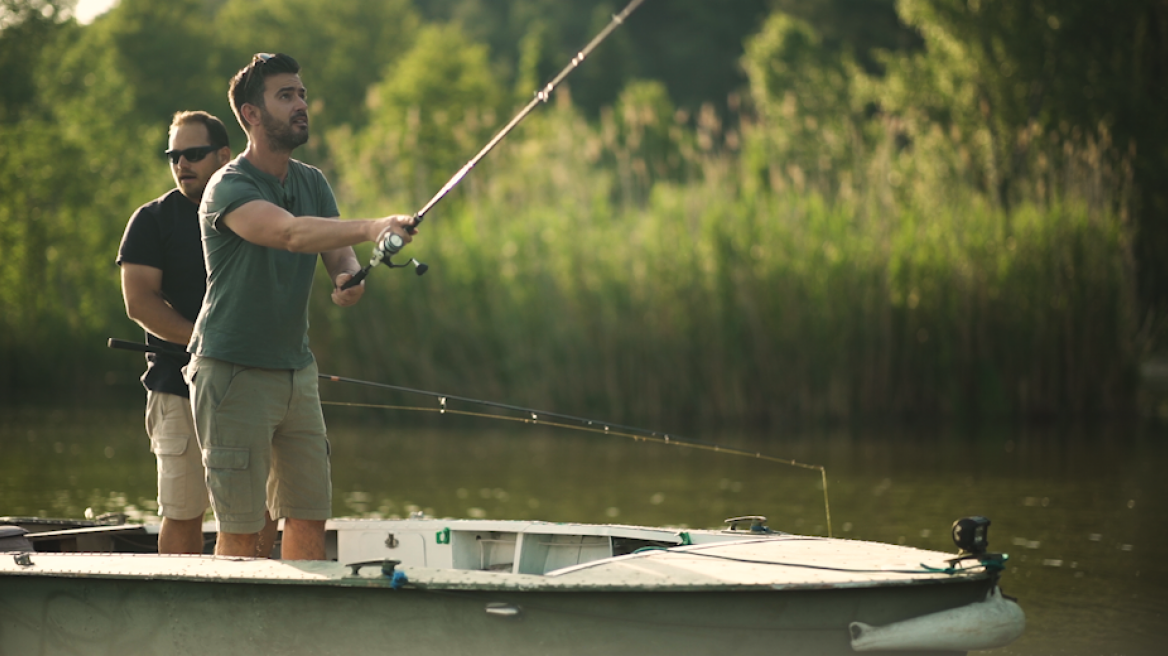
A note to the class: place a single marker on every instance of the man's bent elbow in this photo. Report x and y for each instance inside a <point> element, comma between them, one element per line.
<point>134,309</point>
<point>292,240</point>
<point>296,244</point>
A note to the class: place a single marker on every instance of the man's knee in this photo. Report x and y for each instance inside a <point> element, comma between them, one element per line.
<point>236,544</point>
<point>307,525</point>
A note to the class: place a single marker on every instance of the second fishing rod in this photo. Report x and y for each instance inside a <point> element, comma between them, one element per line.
<point>391,244</point>
<point>527,416</point>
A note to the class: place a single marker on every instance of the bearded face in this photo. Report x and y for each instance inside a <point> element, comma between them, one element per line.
<point>285,135</point>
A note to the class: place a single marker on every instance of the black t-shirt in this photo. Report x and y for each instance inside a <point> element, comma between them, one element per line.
<point>164,234</point>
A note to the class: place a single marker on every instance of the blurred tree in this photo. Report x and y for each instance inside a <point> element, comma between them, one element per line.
<point>436,107</point>
<point>1075,67</point>
<point>163,51</point>
<point>859,27</point>
<point>25,27</point>
<point>648,143</point>
<point>74,165</point>
<point>693,46</point>
<point>343,48</point>
<point>808,120</point>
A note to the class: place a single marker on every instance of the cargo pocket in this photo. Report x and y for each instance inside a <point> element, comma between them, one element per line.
<point>169,445</point>
<point>174,432</point>
<point>229,480</point>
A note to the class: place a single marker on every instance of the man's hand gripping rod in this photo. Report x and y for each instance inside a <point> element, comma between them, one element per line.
<point>392,243</point>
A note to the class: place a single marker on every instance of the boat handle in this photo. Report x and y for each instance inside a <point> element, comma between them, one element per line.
<point>387,566</point>
<point>503,609</point>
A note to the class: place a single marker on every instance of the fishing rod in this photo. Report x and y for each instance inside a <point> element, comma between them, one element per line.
<point>392,243</point>
<point>530,416</point>
<point>570,422</point>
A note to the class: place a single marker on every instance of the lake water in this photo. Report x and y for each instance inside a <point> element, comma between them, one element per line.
<point>1083,512</point>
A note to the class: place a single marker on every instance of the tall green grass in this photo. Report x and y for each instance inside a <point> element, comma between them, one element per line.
<point>654,268</point>
<point>566,275</point>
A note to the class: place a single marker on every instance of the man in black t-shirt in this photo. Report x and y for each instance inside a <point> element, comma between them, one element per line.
<point>163,283</point>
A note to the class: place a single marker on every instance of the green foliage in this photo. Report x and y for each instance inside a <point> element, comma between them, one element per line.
<point>691,46</point>
<point>134,34</point>
<point>643,138</point>
<point>342,47</point>
<point>431,113</point>
<point>999,71</point>
<point>25,26</point>
<point>69,178</point>
<point>810,124</point>
<point>902,299</point>
<point>942,228</point>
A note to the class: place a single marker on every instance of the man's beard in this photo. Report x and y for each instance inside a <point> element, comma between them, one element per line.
<point>280,135</point>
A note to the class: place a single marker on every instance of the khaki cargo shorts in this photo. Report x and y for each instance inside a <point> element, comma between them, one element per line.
<point>263,442</point>
<point>182,490</point>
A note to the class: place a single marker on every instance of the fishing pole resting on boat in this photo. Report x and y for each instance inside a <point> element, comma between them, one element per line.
<point>542,417</point>
<point>391,244</point>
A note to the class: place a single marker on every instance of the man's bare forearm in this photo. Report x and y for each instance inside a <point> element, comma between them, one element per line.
<point>145,304</point>
<point>311,234</point>
<point>161,320</point>
<point>340,260</point>
<point>265,224</point>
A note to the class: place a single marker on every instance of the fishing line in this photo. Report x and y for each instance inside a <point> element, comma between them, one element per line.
<point>569,422</point>
<point>925,569</point>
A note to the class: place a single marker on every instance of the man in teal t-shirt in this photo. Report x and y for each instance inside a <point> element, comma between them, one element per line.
<point>264,219</point>
<point>252,285</point>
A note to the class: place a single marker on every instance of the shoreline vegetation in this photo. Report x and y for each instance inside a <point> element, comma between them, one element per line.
<point>832,245</point>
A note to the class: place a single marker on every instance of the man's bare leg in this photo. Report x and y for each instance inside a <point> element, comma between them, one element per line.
<point>267,536</point>
<point>303,539</point>
<point>181,536</point>
<point>237,544</point>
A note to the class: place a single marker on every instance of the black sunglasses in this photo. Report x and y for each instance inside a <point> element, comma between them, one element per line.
<point>192,154</point>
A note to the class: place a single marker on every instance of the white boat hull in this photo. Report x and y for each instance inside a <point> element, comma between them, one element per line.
<point>484,588</point>
<point>110,616</point>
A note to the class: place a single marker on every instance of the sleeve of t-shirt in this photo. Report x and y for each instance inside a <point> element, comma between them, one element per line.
<point>142,241</point>
<point>328,202</point>
<point>223,194</point>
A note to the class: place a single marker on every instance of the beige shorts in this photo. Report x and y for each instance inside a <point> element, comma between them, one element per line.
<point>182,490</point>
<point>263,443</point>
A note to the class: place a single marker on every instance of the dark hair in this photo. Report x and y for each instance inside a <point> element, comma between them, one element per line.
<point>247,87</point>
<point>215,128</point>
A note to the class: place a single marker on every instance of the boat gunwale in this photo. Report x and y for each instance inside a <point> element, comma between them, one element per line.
<point>334,574</point>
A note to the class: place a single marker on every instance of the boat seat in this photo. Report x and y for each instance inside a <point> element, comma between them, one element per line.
<point>12,539</point>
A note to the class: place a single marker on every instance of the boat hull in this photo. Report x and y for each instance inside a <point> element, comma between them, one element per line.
<point>94,615</point>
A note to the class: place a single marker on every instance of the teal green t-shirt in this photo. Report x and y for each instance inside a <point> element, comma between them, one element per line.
<point>255,312</point>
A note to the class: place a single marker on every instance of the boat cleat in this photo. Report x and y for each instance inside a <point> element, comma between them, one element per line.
<point>757,524</point>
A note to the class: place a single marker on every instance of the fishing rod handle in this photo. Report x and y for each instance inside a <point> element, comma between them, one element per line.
<point>357,278</point>
<point>127,345</point>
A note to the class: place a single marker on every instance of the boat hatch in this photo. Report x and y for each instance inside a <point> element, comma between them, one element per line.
<point>493,546</point>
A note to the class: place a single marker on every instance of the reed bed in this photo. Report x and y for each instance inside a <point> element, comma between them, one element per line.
<point>592,269</point>
<point>654,268</point>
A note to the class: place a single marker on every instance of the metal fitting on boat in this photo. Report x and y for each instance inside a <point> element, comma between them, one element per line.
<point>503,609</point>
<point>757,523</point>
